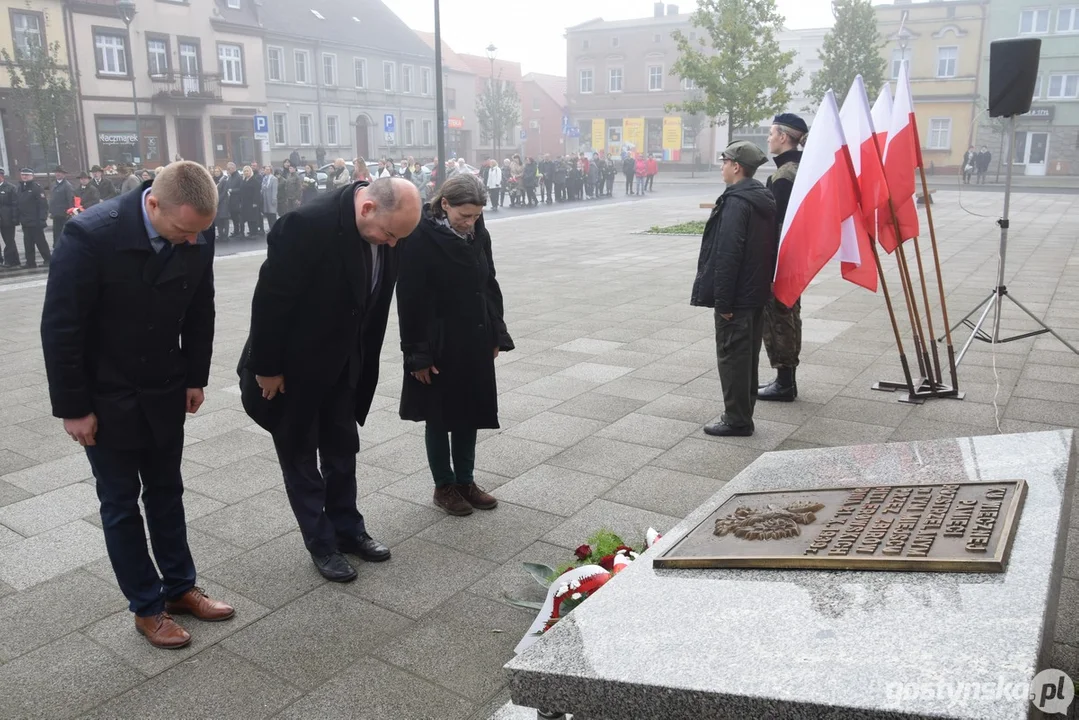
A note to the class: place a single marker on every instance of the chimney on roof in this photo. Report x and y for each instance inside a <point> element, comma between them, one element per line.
<point>657,10</point>
<point>672,10</point>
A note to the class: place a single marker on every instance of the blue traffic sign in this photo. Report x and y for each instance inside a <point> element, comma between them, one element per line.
<point>524,134</point>
<point>573,132</point>
<point>262,124</point>
<point>388,124</point>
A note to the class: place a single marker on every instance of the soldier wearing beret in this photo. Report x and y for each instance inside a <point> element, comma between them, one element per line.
<point>782,324</point>
<point>734,277</point>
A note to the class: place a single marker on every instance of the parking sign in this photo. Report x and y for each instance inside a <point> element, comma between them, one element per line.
<point>388,124</point>
<point>262,127</point>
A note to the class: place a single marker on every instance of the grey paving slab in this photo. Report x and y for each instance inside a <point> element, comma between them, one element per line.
<point>650,430</point>
<point>828,431</point>
<point>91,675</point>
<point>558,387</point>
<point>553,428</point>
<point>404,454</point>
<point>227,448</point>
<point>630,523</point>
<point>11,461</point>
<point>1067,628</point>
<point>679,407</point>
<point>594,372</point>
<point>422,576</point>
<point>478,633</point>
<point>706,458</point>
<point>272,574</point>
<point>589,346</point>
<point>392,520</point>
<point>212,424</point>
<point>117,633</point>
<point>607,458</point>
<point>914,428</point>
<point>553,489</point>
<point>495,535</point>
<point>373,690</point>
<point>637,388</point>
<point>519,407</point>
<point>510,580</point>
<point>307,642</point>
<point>9,536</point>
<point>50,475</point>
<point>49,510</point>
<point>28,562</point>
<point>668,372</point>
<point>215,683</point>
<point>884,414</point>
<point>606,408</point>
<point>511,456</point>
<point>251,522</point>
<point>237,481</point>
<point>664,491</point>
<point>1047,411</point>
<point>419,487</point>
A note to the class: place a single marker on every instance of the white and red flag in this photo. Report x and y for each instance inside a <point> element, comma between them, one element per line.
<point>855,251</point>
<point>823,196</point>
<point>902,158</point>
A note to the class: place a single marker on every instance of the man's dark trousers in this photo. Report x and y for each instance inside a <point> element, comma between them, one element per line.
<point>58,222</point>
<point>117,474</point>
<point>738,348</point>
<point>11,250</point>
<point>324,502</point>
<point>35,237</point>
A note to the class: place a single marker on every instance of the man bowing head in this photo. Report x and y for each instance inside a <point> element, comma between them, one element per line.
<point>310,366</point>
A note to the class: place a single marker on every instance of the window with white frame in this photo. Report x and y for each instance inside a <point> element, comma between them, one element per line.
<point>407,72</point>
<point>689,84</point>
<point>614,80</point>
<point>280,128</point>
<point>1038,86</point>
<point>232,64</point>
<point>425,81</point>
<point>585,81</point>
<point>389,76</point>
<point>359,67</point>
<point>111,54</point>
<point>333,130</point>
<point>655,77</point>
<point>303,66</point>
<point>410,133</point>
<point>947,57</point>
<point>27,29</point>
<point>898,56</point>
<point>428,128</point>
<point>1034,21</point>
<point>1063,86</point>
<point>275,67</point>
<point>1068,19</point>
<point>307,121</point>
<point>157,57</point>
<point>329,69</point>
<point>234,4</point>
<point>940,134</point>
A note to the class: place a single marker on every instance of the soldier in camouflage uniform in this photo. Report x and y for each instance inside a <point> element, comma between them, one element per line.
<point>782,324</point>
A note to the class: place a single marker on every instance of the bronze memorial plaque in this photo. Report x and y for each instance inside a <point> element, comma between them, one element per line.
<point>957,527</point>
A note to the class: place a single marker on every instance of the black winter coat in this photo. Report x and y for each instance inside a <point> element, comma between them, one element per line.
<point>738,251</point>
<point>9,204</point>
<point>87,196</point>
<point>222,199</point>
<point>105,188</point>
<point>126,330</point>
<point>251,195</point>
<point>61,199</point>
<point>313,314</point>
<point>33,205</point>
<point>451,315</point>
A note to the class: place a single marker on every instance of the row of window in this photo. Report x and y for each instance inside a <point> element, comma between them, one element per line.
<point>615,77</point>
<point>110,51</point>
<point>656,38</point>
<point>333,131</point>
<point>275,72</point>
<point>1035,21</point>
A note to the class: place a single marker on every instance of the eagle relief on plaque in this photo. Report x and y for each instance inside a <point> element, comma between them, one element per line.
<point>949,527</point>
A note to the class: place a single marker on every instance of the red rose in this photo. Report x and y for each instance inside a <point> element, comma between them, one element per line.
<point>626,548</point>
<point>582,552</point>
<point>607,562</point>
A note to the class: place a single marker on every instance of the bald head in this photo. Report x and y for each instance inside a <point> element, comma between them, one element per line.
<point>387,210</point>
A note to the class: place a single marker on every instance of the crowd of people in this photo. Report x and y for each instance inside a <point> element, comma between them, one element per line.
<point>976,161</point>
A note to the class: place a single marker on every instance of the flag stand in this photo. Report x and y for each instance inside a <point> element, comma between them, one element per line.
<point>996,296</point>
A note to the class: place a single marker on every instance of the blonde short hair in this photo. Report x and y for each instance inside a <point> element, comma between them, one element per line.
<point>186,183</point>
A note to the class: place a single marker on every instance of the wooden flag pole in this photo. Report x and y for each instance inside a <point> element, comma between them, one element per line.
<point>917,327</point>
<point>935,376</point>
<point>895,324</point>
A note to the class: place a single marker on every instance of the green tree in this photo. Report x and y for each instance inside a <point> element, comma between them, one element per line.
<point>498,110</point>
<point>38,73</point>
<point>852,47</point>
<point>736,65</point>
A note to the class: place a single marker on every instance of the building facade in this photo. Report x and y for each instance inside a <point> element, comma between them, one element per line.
<point>198,81</point>
<point>942,43</point>
<point>505,73</point>
<point>459,101</point>
<point>350,78</point>
<point>543,105</point>
<point>30,27</point>
<point>1047,138</point>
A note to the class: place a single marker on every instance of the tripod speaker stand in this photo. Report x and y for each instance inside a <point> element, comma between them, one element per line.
<point>1013,70</point>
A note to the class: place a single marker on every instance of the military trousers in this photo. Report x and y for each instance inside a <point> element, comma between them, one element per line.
<point>783,333</point>
<point>738,348</point>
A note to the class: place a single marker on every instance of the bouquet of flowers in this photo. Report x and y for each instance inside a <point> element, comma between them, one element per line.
<point>73,211</point>
<point>603,557</point>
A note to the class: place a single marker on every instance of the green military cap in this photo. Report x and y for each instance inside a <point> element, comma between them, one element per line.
<point>745,153</point>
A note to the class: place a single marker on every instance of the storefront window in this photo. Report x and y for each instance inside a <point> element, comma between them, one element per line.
<point>117,142</point>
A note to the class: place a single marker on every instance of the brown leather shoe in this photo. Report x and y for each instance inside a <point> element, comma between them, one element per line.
<point>162,631</point>
<point>476,497</point>
<point>449,499</point>
<point>196,602</point>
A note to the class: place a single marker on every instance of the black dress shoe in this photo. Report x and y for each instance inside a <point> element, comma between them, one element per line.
<point>334,567</point>
<point>366,547</point>
<point>722,429</point>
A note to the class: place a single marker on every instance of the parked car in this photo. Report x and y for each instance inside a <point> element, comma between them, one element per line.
<point>468,168</point>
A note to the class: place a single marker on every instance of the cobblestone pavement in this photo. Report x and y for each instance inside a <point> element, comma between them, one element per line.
<point>602,407</point>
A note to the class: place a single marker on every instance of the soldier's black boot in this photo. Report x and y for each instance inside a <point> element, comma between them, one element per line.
<point>783,389</point>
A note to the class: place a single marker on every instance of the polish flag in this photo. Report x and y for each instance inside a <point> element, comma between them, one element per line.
<point>902,157</point>
<point>855,251</point>
<point>823,196</point>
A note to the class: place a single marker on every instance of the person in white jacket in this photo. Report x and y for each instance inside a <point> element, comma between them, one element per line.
<point>494,183</point>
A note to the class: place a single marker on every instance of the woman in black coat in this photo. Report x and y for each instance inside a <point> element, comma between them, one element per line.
<point>452,329</point>
<point>251,202</point>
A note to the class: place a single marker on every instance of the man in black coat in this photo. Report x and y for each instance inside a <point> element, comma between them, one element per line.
<point>235,185</point>
<point>734,276</point>
<point>86,192</point>
<point>33,216</point>
<point>127,331</point>
<point>106,190</point>
<point>310,366</point>
<point>61,199</point>
<point>9,218</point>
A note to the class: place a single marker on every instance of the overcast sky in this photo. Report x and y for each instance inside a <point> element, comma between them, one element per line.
<point>530,31</point>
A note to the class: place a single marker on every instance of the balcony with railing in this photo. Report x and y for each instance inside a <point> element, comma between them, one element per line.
<point>176,87</point>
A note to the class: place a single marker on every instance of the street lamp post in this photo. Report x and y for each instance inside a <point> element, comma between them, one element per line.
<point>440,163</point>
<point>127,14</point>
<point>497,94</point>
